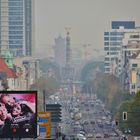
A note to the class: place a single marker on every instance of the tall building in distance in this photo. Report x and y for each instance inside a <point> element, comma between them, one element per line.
<point>60,51</point>
<point>113,42</point>
<point>16,27</point>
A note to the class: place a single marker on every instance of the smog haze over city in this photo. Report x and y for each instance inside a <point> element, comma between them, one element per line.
<point>88,19</point>
<point>70,69</point>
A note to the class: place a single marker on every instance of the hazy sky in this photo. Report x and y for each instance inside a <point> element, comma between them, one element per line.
<point>88,19</point>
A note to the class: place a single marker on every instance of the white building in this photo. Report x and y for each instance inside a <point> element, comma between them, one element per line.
<point>130,61</point>
<point>113,43</point>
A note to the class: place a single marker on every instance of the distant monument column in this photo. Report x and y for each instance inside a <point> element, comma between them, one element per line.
<point>68,51</point>
<point>68,70</point>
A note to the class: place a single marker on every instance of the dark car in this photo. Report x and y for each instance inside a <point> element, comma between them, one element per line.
<point>92,122</point>
<point>106,135</point>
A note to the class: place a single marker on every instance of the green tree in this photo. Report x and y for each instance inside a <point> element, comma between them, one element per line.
<point>132,107</point>
<point>46,65</point>
<point>49,85</point>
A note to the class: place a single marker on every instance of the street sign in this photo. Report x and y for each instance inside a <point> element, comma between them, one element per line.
<point>42,128</point>
<point>43,119</point>
<point>44,122</point>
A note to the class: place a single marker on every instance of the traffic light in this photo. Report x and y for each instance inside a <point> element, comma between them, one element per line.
<point>55,110</point>
<point>116,122</point>
<point>124,115</point>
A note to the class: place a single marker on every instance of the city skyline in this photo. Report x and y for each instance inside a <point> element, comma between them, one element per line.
<point>87,19</point>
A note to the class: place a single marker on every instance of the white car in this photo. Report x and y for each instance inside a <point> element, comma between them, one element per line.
<point>98,135</point>
<point>81,137</point>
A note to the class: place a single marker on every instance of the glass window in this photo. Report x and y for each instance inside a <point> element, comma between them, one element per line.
<point>113,53</point>
<point>15,37</point>
<point>15,18</point>
<point>106,38</point>
<point>15,13</point>
<point>106,48</point>
<point>15,3</point>
<point>134,65</point>
<point>15,27</point>
<point>15,23</point>
<point>106,43</point>
<point>113,38</point>
<point>113,33</point>
<point>116,33</point>
<point>15,46</point>
<point>106,58</point>
<point>15,32</point>
<point>106,33</point>
<point>107,69</point>
<point>15,41</point>
<point>119,38</point>
<point>113,48</point>
<point>20,9</point>
<point>107,64</point>
<point>115,43</point>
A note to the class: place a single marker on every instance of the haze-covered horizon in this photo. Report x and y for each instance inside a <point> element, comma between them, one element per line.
<point>88,19</point>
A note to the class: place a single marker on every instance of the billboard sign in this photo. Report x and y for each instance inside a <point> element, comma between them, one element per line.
<point>18,114</point>
<point>44,124</point>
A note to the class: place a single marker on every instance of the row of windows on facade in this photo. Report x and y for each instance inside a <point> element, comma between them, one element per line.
<point>19,8</point>
<point>11,9</point>
<point>11,27</point>
<point>16,18</point>
<point>11,13</point>
<point>108,70</point>
<point>111,48</point>
<point>16,32</point>
<point>15,27</point>
<point>13,22</point>
<point>112,53</point>
<point>13,37</point>
<point>113,33</point>
<point>111,58</point>
<point>11,41</point>
<point>14,45</point>
<point>108,64</point>
<point>15,3</point>
<point>113,38</point>
<point>112,43</point>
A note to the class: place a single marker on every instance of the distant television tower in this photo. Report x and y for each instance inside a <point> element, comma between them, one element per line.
<point>68,51</point>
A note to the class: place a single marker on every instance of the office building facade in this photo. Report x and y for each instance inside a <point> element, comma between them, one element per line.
<point>16,27</point>
<point>113,42</point>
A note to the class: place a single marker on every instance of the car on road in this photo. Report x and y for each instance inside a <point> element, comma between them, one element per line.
<point>94,130</point>
<point>89,135</point>
<point>92,122</point>
<point>82,132</point>
<point>98,135</point>
<point>106,135</point>
<point>87,109</point>
<point>81,137</point>
<point>113,134</point>
<point>85,122</point>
